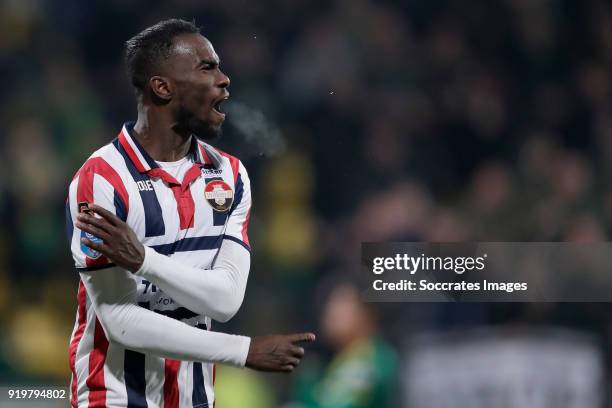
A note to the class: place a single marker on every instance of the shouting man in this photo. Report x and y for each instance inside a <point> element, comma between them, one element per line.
<point>157,222</point>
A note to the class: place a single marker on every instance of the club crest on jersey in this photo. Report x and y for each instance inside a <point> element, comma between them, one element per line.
<point>219,195</point>
<point>90,253</point>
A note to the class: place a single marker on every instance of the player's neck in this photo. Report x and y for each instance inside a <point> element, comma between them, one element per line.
<point>158,137</point>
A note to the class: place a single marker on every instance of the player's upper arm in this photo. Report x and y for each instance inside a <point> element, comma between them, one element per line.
<point>96,182</point>
<point>240,212</point>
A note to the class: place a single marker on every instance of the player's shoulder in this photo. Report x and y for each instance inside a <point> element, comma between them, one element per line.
<point>104,158</point>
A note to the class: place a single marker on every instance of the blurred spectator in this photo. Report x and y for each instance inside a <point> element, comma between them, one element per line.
<point>362,373</point>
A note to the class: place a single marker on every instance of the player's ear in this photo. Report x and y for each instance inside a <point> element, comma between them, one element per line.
<point>161,87</point>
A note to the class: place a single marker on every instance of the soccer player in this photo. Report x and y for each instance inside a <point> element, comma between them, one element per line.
<point>157,222</point>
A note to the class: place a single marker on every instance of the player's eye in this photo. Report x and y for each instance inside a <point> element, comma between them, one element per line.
<point>208,67</point>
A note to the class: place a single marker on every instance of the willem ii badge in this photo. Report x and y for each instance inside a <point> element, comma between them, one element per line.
<point>219,195</point>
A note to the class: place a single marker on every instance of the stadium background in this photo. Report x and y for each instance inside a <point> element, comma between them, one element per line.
<point>358,121</point>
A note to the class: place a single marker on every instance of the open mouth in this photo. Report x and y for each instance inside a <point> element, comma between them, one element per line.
<point>217,105</point>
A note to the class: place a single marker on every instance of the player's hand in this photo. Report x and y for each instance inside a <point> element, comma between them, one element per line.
<point>277,353</point>
<point>120,244</point>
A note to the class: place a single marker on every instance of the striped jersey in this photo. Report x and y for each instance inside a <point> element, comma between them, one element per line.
<point>185,219</point>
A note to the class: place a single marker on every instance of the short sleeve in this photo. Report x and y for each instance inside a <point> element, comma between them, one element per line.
<point>240,212</point>
<point>94,183</point>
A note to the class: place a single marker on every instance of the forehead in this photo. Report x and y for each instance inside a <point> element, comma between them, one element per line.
<point>193,48</point>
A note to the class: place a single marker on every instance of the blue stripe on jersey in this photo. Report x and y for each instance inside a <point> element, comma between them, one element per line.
<point>120,210</point>
<point>238,194</point>
<point>237,240</point>
<point>69,225</point>
<point>198,395</point>
<point>154,221</point>
<point>190,244</point>
<point>135,381</point>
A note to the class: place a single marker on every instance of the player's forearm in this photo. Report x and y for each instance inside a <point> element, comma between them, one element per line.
<point>143,330</point>
<point>216,292</point>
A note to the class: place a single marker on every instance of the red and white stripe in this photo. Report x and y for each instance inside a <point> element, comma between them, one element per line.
<point>132,150</point>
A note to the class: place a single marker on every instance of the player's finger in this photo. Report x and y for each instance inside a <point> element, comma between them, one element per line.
<point>297,351</point>
<point>92,229</point>
<point>296,338</point>
<point>107,215</point>
<point>102,248</point>
<point>100,223</point>
<point>293,361</point>
<point>287,368</point>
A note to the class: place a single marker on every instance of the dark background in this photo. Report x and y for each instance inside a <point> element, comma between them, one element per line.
<point>357,120</point>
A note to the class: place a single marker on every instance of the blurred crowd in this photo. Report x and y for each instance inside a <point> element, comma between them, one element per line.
<point>358,121</point>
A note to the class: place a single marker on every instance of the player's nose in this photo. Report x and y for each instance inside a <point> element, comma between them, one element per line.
<point>224,80</point>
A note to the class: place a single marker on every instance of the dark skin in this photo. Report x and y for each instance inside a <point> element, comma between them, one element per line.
<point>181,100</point>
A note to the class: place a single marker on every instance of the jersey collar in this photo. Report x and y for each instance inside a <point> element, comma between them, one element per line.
<point>201,153</point>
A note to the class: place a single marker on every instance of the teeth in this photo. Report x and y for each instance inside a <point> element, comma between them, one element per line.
<point>218,106</point>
